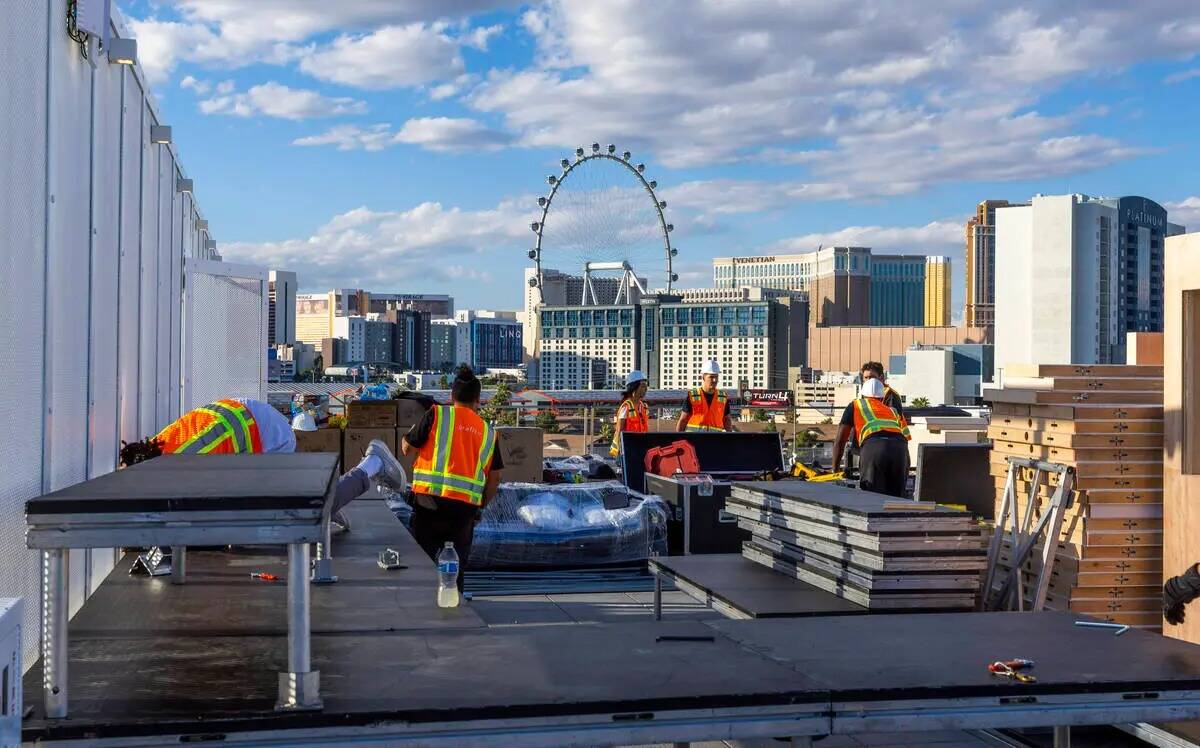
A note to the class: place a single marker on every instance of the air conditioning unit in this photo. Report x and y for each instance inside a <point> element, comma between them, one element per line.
<point>10,670</point>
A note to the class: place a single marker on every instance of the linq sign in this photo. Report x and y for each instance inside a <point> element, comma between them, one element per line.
<point>767,398</point>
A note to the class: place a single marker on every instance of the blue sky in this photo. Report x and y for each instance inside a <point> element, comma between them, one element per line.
<point>400,145</point>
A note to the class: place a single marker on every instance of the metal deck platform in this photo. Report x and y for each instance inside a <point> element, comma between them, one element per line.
<point>158,664</point>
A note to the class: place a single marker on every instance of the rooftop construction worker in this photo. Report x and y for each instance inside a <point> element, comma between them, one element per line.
<point>706,408</point>
<point>456,472</point>
<point>882,438</point>
<point>633,415</point>
<point>891,398</point>
<point>244,426</point>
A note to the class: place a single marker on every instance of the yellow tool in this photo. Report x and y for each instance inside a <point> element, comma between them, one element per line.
<point>804,472</point>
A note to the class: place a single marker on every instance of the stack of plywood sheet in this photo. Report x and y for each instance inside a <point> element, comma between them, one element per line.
<point>874,550</point>
<point>1106,422</point>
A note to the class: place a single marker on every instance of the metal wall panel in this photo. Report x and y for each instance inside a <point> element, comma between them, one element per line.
<point>106,193</point>
<point>133,147</point>
<point>148,322</point>
<point>225,332</point>
<point>23,52</point>
<point>163,317</point>
<point>68,282</point>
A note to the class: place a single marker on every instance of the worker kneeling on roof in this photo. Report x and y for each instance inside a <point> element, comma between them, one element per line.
<point>632,416</point>
<point>456,471</point>
<point>882,438</point>
<point>706,408</point>
<point>244,426</point>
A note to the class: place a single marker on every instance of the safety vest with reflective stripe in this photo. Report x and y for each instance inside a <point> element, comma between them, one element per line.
<point>872,417</point>
<point>706,417</point>
<point>221,427</point>
<point>630,417</point>
<point>454,460</point>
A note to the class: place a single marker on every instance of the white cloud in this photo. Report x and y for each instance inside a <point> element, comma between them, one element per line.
<point>866,98</point>
<point>480,37</point>
<point>426,246</point>
<point>454,87</point>
<point>352,138</point>
<point>201,87</point>
<point>1183,75</point>
<point>934,238</point>
<point>277,100</point>
<point>235,33</point>
<point>440,134</point>
<point>450,134</point>
<point>389,57</point>
<point>1186,213</point>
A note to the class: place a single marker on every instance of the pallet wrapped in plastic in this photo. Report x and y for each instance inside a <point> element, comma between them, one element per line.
<point>568,525</point>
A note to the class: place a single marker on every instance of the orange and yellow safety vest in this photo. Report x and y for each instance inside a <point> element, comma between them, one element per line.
<point>872,417</point>
<point>221,427</point>
<point>454,461</point>
<point>634,417</point>
<point>706,417</point>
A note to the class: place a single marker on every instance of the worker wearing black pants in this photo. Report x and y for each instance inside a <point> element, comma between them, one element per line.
<point>456,471</point>
<point>882,436</point>
<point>448,521</point>
<point>883,464</point>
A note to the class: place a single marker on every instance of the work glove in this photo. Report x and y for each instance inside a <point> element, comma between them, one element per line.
<point>1178,592</point>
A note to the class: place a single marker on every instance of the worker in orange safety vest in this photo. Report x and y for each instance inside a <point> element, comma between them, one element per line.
<point>245,426</point>
<point>456,472</point>
<point>882,437</point>
<point>706,408</point>
<point>633,415</point>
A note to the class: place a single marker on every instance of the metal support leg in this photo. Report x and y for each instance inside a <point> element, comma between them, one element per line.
<point>178,564</point>
<point>299,688</point>
<point>55,604</point>
<point>322,569</point>
<point>1062,736</point>
<point>657,596</point>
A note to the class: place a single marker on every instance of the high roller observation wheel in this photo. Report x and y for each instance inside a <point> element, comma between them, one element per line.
<point>556,181</point>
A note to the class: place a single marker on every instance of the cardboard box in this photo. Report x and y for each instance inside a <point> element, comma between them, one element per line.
<point>321,440</point>
<point>521,450</point>
<point>373,414</point>
<point>356,440</point>
<point>409,414</point>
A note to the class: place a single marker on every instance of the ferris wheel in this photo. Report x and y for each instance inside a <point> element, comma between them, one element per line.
<point>607,222</point>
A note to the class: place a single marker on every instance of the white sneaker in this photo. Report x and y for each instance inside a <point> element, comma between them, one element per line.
<point>392,475</point>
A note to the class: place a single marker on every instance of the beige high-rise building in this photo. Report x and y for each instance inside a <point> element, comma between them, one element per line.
<point>980,309</point>
<point>314,317</point>
<point>937,291</point>
<point>837,279</point>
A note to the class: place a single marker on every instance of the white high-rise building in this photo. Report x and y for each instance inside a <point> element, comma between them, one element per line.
<point>1074,274</point>
<point>560,289</point>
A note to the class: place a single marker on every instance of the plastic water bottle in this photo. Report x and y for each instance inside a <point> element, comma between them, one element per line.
<point>447,562</point>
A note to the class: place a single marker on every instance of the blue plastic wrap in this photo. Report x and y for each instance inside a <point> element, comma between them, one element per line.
<point>569,525</point>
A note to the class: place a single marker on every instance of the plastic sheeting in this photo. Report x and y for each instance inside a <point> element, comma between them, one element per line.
<point>568,525</point>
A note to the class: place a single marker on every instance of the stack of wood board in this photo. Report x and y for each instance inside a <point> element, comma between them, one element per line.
<point>865,547</point>
<point>1105,421</point>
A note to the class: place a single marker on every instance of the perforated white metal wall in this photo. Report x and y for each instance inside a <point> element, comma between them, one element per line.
<point>225,332</point>
<point>92,237</point>
<point>22,290</point>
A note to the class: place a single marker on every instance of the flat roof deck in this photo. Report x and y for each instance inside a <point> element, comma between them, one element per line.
<point>150,661</point>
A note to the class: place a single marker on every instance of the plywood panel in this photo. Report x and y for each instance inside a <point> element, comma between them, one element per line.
<point>1181,349</point>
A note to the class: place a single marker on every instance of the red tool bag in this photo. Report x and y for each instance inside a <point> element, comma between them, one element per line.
<point>676,457</point>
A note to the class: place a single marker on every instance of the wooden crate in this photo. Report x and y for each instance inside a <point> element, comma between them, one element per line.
<point>1053,397</point>
<point>1080,411</point>
<point>322,440</point>
<point>1085,384</point>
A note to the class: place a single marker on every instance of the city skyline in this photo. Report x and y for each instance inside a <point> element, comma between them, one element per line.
<point>402,148</point>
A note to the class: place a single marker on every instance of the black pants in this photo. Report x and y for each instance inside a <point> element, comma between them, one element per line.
<point>883,465</point>
<point>452,521</point>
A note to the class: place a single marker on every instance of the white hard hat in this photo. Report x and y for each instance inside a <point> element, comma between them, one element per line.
<point>304,422</point>
<point>871,388</point>
<point>710,367</point>
<point>637,375</point>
